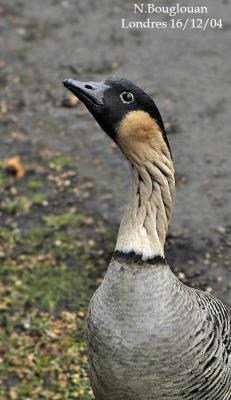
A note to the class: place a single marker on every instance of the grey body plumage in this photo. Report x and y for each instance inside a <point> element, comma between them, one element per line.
<point>149,336</point>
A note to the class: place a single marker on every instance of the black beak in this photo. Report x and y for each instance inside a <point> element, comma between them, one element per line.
<point>88,92</point>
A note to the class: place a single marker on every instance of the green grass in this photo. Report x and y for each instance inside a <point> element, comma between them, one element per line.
<point>34,185</point>
<point>59,221</point>
<point>60,162</point>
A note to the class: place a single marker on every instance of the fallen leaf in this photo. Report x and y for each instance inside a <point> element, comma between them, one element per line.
<point>81,314</point>
<point>70,101</point>
<point>13,393</point>
<point>14,167</point>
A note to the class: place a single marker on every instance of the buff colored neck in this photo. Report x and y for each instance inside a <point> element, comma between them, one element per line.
<point>144,226</point>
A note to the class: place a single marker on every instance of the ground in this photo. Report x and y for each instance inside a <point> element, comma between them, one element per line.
<point>62,199</point>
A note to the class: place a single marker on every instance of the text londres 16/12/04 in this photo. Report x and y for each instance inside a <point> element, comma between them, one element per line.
<point>180,17</point>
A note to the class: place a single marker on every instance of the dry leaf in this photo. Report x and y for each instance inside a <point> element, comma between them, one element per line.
<point>81,314</point>
<point>70,101</point>
<point>14,167</point>
<point>74,100</point>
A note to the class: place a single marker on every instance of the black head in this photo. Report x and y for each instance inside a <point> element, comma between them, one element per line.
<point>110,101</point>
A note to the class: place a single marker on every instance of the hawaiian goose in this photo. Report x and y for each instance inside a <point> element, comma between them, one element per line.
<point>149,336</point>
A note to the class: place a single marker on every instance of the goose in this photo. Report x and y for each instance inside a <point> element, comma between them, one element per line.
<point>149,336</point>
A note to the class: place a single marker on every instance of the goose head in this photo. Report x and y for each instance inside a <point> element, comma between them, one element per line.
<point>126,113</point>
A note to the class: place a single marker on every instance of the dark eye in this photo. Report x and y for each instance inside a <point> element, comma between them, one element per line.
<point>127,97</point>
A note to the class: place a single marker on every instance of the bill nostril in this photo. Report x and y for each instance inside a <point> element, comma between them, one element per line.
<point>88,87</point>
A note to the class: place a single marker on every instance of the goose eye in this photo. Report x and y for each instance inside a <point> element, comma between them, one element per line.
<point>127,97</point>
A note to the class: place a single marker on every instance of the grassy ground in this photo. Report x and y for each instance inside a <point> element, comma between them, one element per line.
<point>50,265</point>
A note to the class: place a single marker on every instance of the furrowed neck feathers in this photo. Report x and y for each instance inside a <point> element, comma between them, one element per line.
<point>144,226</point>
